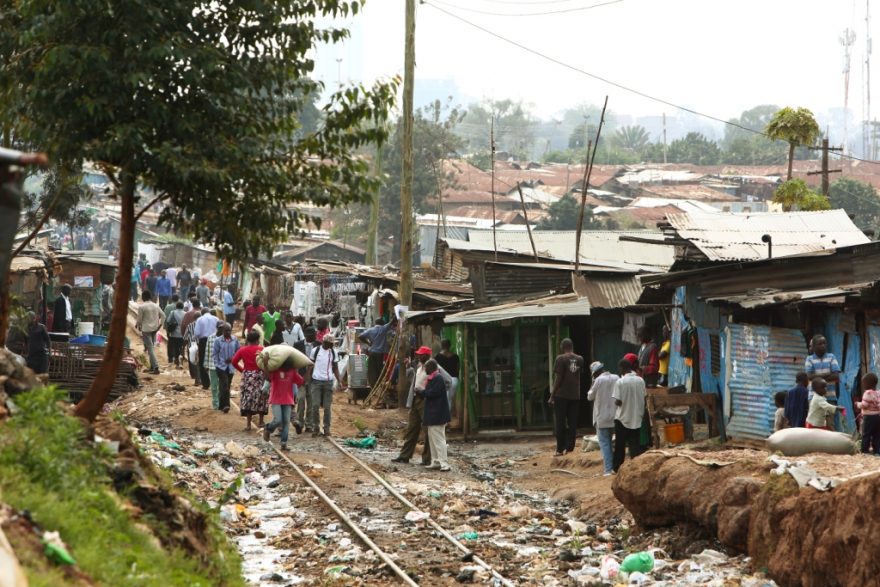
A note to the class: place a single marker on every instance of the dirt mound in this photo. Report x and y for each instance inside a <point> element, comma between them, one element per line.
<point>802,536</point>
<point>175,522</point>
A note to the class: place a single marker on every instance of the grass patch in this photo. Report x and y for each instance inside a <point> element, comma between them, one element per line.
<point>49,468</point>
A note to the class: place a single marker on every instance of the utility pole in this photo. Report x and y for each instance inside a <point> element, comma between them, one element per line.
<point>492,159</point>
<point>847,40</point>
<point>664,138</point>
<point>868,152</point>
<point>373,229</point>
<point>825,171</point>
<point>406,243</point>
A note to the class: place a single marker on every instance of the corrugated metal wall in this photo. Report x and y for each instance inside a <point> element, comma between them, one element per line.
<point>762,361</point>
<point>679,373</point>
<point>711,371</point>
<point>874,348</point>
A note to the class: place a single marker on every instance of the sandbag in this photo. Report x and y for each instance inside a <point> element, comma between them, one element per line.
<point>794,442</point>
<point>272,357</point>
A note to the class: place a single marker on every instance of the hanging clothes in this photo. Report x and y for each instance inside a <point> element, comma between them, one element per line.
<point>632,323</point>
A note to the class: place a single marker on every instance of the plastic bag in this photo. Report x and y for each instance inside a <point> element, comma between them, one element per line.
<point>609,568</point>
<point>194,353</point>
<point>642,562</point>
<point>368,442</point>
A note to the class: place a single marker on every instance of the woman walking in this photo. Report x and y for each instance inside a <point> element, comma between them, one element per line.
<point>253,401</point>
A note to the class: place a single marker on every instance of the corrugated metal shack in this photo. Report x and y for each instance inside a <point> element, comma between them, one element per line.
<point>525,308</point>
<point>751,323</point>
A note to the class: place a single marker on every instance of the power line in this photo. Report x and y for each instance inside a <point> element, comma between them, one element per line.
<point>545,13</point>
<point>528,2</point>
<point>613,83</point>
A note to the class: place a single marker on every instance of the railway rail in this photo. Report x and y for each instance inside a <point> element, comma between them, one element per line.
<point>466,554</point>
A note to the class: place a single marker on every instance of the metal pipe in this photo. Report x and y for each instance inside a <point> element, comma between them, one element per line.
<point>769,240</point>
<point>468,553</point>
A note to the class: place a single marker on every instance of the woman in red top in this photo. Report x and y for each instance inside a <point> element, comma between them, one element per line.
<point>284,383</point>
<point>252,312</point>
<point>253,401</point>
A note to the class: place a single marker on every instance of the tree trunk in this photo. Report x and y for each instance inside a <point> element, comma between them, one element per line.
<point>90,406</point>
<point>10,212</point>
<point>790,159</point>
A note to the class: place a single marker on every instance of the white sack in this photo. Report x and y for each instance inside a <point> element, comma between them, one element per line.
<point>794,442</point>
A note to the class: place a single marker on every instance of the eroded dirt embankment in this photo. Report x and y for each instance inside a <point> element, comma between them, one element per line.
<point>801,536</point>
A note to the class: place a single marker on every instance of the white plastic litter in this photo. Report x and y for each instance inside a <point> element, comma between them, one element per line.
<point>417,516</point>
<point>609,568</point>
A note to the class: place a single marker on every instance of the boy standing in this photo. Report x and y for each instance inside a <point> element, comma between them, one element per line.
<point>779,418</point>
<point>284,382</point>
<point>819,406</point>
<point>797,402</point>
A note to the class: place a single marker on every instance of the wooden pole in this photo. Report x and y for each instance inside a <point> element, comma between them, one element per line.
<point>406,207</point>
<point>587,172</point>
<point>522,202</point>
<point>492,156</point>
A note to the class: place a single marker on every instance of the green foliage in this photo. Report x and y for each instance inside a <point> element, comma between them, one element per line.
<point>795,194</point>
<point>434,141</point>
<point>794,126</point>
<point>204,103</point>
<point>859,199</point>
<point>631,138</point>
<point>62,190</point>
<point>563,215</point>
<point>480,161</point>
<point>742,147</point>
<point>694,148</point>
<point>513,127</point>
<point>48,468</point>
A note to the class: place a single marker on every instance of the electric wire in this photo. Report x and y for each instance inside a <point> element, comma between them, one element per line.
<point>544,13</point>
<point>612,83</point>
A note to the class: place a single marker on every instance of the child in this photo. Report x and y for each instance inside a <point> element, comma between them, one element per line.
<point>797,402</point>
<point>870,406</point>
<point>819,406</point>
<point>436,415</point>
<point>779,422</point>
<point>281,397</point>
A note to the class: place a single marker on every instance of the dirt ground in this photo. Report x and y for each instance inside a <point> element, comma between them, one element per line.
<point>536,518</point>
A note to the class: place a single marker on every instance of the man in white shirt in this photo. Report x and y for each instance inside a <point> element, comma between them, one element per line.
<point>320,381</point>
<point>171,274</point>
<point>601,394</point>
<point>629,396</point>
<point>149,321</point>
<point>292,333</point>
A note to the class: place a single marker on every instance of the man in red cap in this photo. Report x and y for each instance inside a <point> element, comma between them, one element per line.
<point>416,405</point>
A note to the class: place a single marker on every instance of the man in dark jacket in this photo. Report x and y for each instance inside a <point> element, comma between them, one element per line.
<point>436,415</point>
<point>62,318</point>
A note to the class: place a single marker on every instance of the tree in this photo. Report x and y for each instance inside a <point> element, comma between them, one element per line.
<point>794,126</point>
<point>513,127</point>
<point>859,199</point>
<point>631,138</point>
<point>199,102</point>
<point>434,141</point>
<point>563,213</point>
<point>796,194</point>
<point>694,148</point>
<point>750,147</point>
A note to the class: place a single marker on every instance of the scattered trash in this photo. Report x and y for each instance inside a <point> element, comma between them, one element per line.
<point>368,442</point>
<point>610,567</point>
<point>468,536</point>
<point>642,562</point>
<point>55,549</point>
<point>590,443</point>
<point>417,516</point>
<point>803,474</point>
<point>576,527</point>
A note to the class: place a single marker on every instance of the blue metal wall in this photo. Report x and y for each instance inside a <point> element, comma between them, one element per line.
<point>762,361</point>
<point>849,378</point>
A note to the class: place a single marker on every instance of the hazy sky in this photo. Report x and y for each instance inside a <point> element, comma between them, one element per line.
<point>718,57</point>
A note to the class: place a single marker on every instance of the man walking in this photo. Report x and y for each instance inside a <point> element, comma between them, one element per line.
<point>206,326</point>
<point>565,396</point>
<point>379,339</point>
<point>225,347</point>
<point>171,274</point>
<point>210,366</point>
<point>450,363</point>
<point>203,294</point>
<point>184,282</point>
<point>187,327</point>
<point>302,391</point>
<point>601,394</point>
<point>320,380</point>
<point>629,396</point>
<point>149,320</point>
<point>416,404</point>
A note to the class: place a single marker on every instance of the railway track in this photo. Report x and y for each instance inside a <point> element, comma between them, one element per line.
<point>438,550</point>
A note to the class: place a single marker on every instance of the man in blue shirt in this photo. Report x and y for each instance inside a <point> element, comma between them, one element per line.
<point>823,364</point>
<point>224,349</point>
<point>379,339</point>
<point>229,305</point>
<point>163,289</point>
<point>797,403</point>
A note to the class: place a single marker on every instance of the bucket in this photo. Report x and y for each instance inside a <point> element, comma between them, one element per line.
<point>85,328</point>
<point>675,433</point>
<point>97,340</point>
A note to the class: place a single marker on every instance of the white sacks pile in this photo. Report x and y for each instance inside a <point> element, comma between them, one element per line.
<point>272,357</point>
<point>794,442</point>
